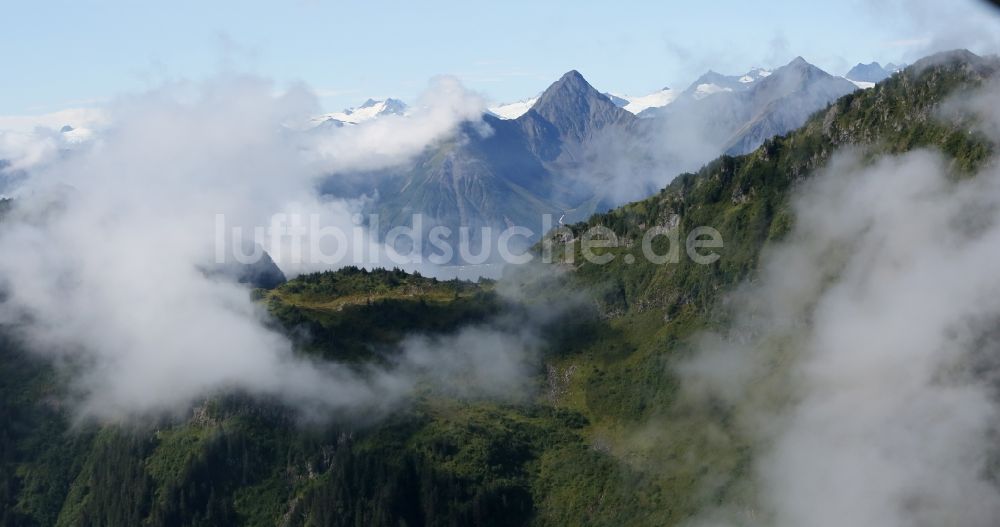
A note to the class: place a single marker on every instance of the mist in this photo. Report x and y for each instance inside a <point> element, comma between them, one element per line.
<point>925,27</point>
<point>629,163</point>
<point>861,362</point>
<point>106,247</point>
<point>624,165</point>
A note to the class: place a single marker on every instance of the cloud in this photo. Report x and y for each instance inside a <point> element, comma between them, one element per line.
<point>496,361</point>
<point>626,164</point>
<point>110,241</point>
<point>75,117</point>
<point>392,139</point>
<point>30,140</point>
<point>778,50</point>
<point>924,27</point>
<point>861,362</point>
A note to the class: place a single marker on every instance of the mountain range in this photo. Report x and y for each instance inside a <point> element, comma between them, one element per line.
<point>370,109</point>
<point>739,115</point>
<point>622,429</point>
<point>872,73</point>
<point>710,82</point>
<point>560,153</point>
<point>554,158</point>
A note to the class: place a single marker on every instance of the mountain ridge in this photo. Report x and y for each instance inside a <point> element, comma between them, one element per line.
<point>539,163</point>
<point>590,448</point>
<point>872,72</point>
<point>368,110</point>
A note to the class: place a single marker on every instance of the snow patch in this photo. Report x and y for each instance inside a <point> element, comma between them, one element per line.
<point>371,109</point>
<point>653,100</point>
<point>513,110</point>
<point>704,90</point>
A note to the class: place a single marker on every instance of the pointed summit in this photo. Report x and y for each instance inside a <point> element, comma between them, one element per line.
<point>570,88</point>
<point>712,82</point>
<point>799,63</point>
<point>370,109</point>
<point>575,108</point>
<point>573,75</point>
<point>782,101</point>
<point>799,73</point>
<point>873,72</point>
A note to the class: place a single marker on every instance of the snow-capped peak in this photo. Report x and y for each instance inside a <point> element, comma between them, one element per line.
<point>653,100</point>
<point>712,82</point>
<point>705,89</point>
<point>370,109</point>
<point>754,75</point>
<point>512,110</point>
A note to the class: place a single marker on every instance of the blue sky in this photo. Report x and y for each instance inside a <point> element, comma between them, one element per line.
<point>67,54</point>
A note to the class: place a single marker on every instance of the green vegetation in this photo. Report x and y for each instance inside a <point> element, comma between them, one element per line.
<point>609,440</point>
<point>353,314</point>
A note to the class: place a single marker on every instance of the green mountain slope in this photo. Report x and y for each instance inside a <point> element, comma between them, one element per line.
<point>607,440</point>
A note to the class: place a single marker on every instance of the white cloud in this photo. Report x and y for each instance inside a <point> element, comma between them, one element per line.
<point>75,117</point>
<point>110,238</point>
<point>391,139</point>
<point>861,363</point>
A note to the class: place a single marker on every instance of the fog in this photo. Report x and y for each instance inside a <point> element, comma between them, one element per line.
<point>103,271</point>
<point>861,361</point>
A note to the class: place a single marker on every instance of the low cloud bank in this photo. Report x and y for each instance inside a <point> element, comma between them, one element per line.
<point>107,244</point>
<point>863,360</point>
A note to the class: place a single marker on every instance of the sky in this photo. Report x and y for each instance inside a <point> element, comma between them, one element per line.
<point>71,54</point>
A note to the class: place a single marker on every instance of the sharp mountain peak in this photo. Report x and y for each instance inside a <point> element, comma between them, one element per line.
<point>573,95</point>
